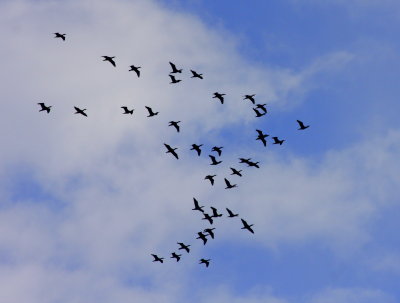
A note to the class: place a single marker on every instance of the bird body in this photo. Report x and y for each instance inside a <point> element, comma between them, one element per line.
<point>196,75</point>
<point>205,261</point>
<point>218,149</point>
<point>258,114</point>
<point>151,112</point>
<point>175,124</point>
<point>302,126</point>
<point>253,164</point>
<point>44,107</point>
<point>228,184</point>
<point>174,80</point>
<point>210,232</point>
<point>157,258</point>
<point>202,237</point>
<point>197,148</point>
<point>109,59</point>
<point>247,226</point>
<point>183,246</point>
<point>214,161</point>
<point>176,256</point>
<point>215,213</point>
<point>197,206</point>
<point>261,136</point>
<point>277,141</point>
<point>80,111</point>
<point>127,111</point>
<point>174,69</point>
<point>262,107</point>
<point>249,97</point>
<point>171,150</point>
<point>58,35</point>
<point>208,217</point>
<point>219,96</point>
<point>135,69</point>
<point>236,172</point>
<point>211,178</point>
<point>231,214</point>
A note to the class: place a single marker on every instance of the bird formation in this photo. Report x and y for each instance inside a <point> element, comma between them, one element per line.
<point>260,110</point>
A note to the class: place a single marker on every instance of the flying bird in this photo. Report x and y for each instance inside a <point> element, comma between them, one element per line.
<point>109,59</point>
<point>183,246</point>
<point>196,75</point>
<point>58,35</point>
<point>215,213</point>
<point>258,114</point>
<point>250,98</point>
<point>253,164</point>
<point>247,226</point>
<point>277,141</point>
<point>220,97</point>
<point>202,237</point>
<point>157,258</point>
<point>135,69</point>
<point>217,149</point>
<point>243,160</point>
<point>197,148</point>
<point>197,206</point>
<point>211,178</point>
<point>228,184</point>
<point>207,217</point>
<point>214,161</point>
<point>261,136</point>
<point>205,261</point>
<point>174,124</point>
<point>174,80</point>
<point>210,232</point>
<point>174,69</point>
<point>44,107</point>
<point>236,172</point>
<point>171,150</point>
<point>176,256</point>
<point>302,126</point>
<point>80,111</point>
<point>231,214</point>
<point>262,107</point>
<point>126,110</point>
<point>151,113</point>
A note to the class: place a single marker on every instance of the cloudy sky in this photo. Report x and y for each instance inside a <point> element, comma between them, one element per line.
<point>86,201</point>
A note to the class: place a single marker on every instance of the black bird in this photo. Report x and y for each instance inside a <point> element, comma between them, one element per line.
<point>207,217</point>
<point>109,59</point>
<point>58,35</point>
<point>258,114</point>
<point>80,111</point>
<point>211,178</point>
<point>197,148</point>
<point>236,172</point>
<point>171,150</point>
<point>157,258</point>
<point>135,69</point>
<point>174,69</point>
<point>197,206</point>
<point>251,163</point>
<point>228,184</point>
<point>44,107</point>
<point>215,213</point>
<point>202,237</point>
<point>174,124</point>
<point>174,80</point>
<point>126,110</point>
<point>262,107</point>
<point>220,97</point>
<point>196,75</point>
<point>302,126</point>
<point>218,150</point>
<point>210,232</point>
<point>205,261</point>
<point>262,136</point>
<point>277,141</point>
<point>250,98</point>
<point>247,226</point>
<point>183,246</point>
<point>214,161</point>
<point>231,214</point>
<point>151,113</point>
<point>243,160</point>
<point>177,257</point>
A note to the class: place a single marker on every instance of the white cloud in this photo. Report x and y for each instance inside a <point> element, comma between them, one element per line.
<point>352,295</point>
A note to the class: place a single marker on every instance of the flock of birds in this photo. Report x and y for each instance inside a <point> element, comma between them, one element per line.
<point>259,109</point>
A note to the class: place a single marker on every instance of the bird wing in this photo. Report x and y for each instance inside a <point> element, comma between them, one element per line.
<point>301,124</point>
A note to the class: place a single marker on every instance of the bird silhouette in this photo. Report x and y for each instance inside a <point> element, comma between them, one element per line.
<point>228,184</point>
<point>80,111</point>
<point>236,172</point>
<point>211,178</point>
<point>44,107</point>
<point>205,261</point>
<point>202,237</point>
<point>58,35</point>
<point>173,79</point>
<point>220,97</point>
<point>302,126</point>
<point>262,107</point>
<point>258,114</point>
<point>262,136</point>
<point>231,214</point>
<point>277,141</point>
<point>197,206</point>
<point>176,256</point>
<point>126,110</point>
<point>171,150</point>
<point>157,258</point>
<point>175,124</point>
<point>197,148</point>
<point>183,246</point>
<point>214,161</point>
<point>210,232</point>
<point>217,149</point>
<point>247,226</point>
<point>109,59</point>
<point>151,113</point>
<point>196,75</point>
<point>249,97</point>
<point>135,69</point>
<point>253,164</point>
<point>174,69</point>
<point>215,213</point>
<point>243,160</point>
<point>207,217</point>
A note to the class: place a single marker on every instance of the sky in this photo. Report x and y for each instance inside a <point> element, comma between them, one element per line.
<point>84,202</point>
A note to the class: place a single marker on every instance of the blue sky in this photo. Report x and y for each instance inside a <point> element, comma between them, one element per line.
<point>85,201</point>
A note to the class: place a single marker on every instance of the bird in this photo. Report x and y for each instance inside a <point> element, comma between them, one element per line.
<point>247,226</point>
<point>205,261</point>
<point>228,184</point>
<point>174,124</point>
<point>215,213</point>
<point>157,258</point>
<point>254,164</point>
<point>262,136</point>
<point>258,114</point>
<point>202,237</point>
<point>249,97</point>
<point>214,161</point>
<point>218,150</point>
<point>80,111</point>
<point>211,178</point>
<point>58,35</point>
<point>210,232</point>
<point>236,172</point>
<point>243,160</point>
<point>196,75</point>
<point>176,256</point>
<point>171,150</point>
<point>197,206</point>
<point>277,141</point>
<point>207,217</point>
<point>151,113</point>
<point>231,214</point>
<point>197,148</point>
<point>262,107</point>
<point>183,246</point>
<point>302,126</point>
<point>174,69</point>
<point>135,69</point>
<point>109,59</point>
<point>220,97</point>
<point>44,107</point>
<point>126,110</point>
<point>174,80</point>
